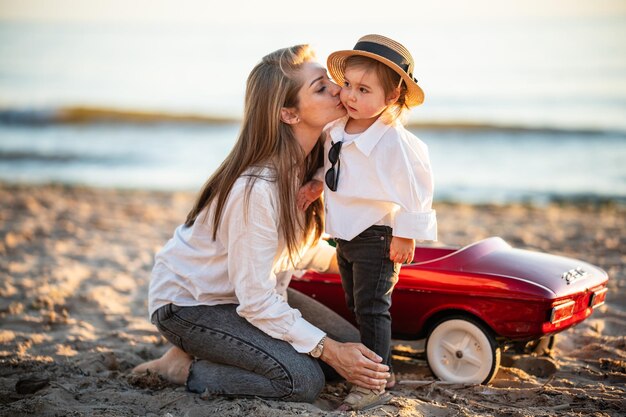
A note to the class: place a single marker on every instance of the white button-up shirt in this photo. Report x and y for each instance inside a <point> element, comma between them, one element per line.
<point>247,265</point>
<point>385,178</point>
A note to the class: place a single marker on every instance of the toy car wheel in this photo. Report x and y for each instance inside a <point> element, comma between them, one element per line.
<point>462,350</point>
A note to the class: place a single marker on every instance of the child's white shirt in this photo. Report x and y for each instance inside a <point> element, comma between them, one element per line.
<point>385,178</point>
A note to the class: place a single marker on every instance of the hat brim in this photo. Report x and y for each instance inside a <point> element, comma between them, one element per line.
<point>336,65</point>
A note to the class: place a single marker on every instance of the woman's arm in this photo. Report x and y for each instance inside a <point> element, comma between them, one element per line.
<point>322,257</point>
<point>249,229</point>
<point>333,267</point>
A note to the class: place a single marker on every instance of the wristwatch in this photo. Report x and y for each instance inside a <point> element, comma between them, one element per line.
<point>318,349</point>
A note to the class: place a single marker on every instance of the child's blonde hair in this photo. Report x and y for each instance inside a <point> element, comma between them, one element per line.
<point>389,79</point>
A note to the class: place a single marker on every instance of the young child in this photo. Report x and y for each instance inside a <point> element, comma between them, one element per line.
<point>378,188</point>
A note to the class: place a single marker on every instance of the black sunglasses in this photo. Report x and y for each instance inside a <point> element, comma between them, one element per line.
<point>332,175</point>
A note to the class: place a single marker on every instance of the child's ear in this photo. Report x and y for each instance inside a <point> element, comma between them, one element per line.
<point>289,115</point>
<point>394,96</point>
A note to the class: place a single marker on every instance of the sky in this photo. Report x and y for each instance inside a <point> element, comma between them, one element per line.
<point>194,55</point>
<point>303,21</point>
<point>344,12</point>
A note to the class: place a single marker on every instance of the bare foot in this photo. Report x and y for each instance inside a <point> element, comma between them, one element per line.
<point>173,366</point>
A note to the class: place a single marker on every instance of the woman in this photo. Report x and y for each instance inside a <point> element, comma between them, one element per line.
<point>218,290</point>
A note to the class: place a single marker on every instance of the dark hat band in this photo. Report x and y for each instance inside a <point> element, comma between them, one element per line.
<point>385,52</point>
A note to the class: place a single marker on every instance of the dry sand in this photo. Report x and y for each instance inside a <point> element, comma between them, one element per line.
<point>74,271</point>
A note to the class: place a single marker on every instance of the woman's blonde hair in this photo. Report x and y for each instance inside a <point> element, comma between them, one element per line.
<point>265,141</point>
<point>389,79</point>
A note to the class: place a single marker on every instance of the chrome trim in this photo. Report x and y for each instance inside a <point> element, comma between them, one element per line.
<point>592,299</point>
<point>561,306</point>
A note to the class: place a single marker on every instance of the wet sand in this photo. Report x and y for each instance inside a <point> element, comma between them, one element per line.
<point>74,272</point>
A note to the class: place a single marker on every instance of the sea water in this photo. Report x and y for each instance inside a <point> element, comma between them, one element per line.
<point>471,166</point>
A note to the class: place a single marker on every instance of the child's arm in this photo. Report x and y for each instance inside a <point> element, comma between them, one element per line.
<point>402,250</point>
<point>409,184</point>
<point>308,193</point>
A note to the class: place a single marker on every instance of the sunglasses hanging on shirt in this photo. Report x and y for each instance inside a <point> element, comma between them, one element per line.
<point>332,175</point>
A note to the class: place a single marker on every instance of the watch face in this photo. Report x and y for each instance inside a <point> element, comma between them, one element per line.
<point>317,350</point>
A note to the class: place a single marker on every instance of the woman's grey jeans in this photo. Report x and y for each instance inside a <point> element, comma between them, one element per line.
<point>236,359</point>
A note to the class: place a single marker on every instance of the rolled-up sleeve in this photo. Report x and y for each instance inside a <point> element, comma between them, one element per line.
<point>252,239</point>
<point>418,226</point>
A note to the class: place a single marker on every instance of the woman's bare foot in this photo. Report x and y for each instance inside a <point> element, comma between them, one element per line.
<point>173,366</point>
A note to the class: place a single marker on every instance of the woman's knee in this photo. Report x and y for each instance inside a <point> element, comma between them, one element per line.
<point>307,383</point>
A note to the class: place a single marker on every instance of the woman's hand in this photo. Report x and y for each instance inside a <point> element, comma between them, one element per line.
<point>356,363</point>
<point>402,250</point>
<point>308,193</point>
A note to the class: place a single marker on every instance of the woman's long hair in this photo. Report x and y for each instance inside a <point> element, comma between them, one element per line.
<point>265,141</point>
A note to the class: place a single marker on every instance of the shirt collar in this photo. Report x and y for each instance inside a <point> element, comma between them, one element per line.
<point>367,140</point>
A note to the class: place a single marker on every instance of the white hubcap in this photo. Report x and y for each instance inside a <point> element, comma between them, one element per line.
<point>459,351</point>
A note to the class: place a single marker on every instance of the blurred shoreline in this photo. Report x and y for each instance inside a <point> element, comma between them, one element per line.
<point>579,201</point>
<point>112,115</point>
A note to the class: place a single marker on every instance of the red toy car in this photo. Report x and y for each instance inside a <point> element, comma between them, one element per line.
<point>470,302</point>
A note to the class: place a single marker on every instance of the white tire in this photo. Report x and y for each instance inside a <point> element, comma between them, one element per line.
<point>462,350</point>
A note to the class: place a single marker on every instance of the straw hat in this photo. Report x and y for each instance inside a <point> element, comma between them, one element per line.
<point>387,51</point>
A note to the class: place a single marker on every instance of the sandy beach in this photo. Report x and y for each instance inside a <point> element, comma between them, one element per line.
<point>74,272</point>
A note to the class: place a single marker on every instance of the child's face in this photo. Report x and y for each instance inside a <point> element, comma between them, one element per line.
<point>362,94</point>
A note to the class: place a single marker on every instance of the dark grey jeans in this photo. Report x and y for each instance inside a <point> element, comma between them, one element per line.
<point>236,359</point>
<point>368,278</point>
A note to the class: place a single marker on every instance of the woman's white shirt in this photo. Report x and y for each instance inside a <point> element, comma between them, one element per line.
<point>247,264</point>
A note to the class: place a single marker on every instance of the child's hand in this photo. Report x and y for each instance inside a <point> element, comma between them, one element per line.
<point>402,250</point>
<point>308,193</point>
